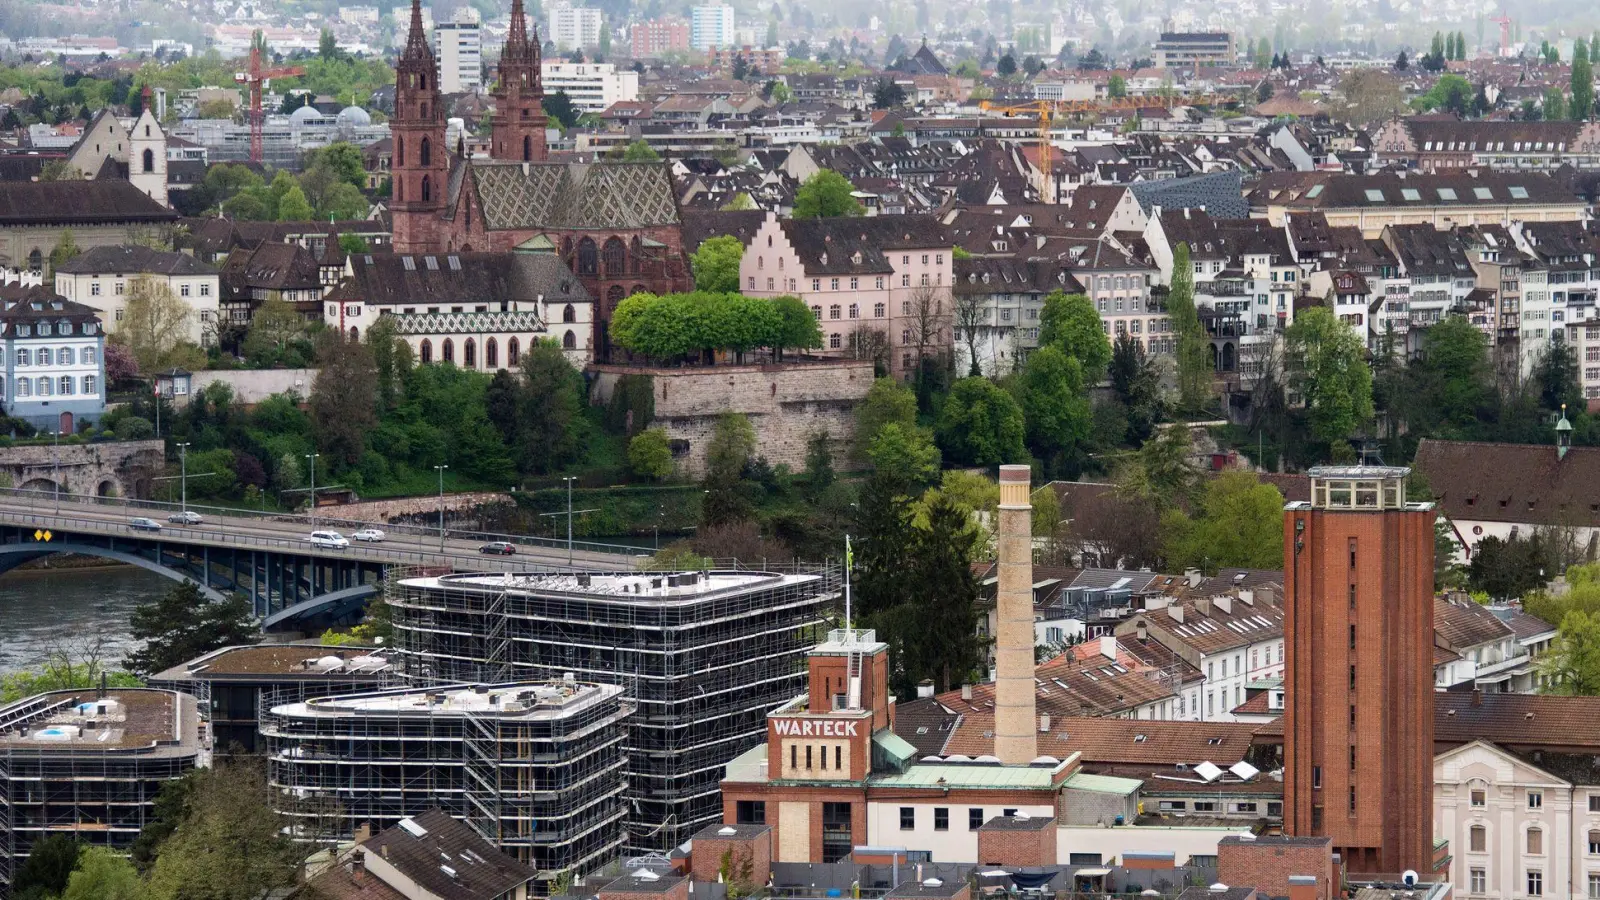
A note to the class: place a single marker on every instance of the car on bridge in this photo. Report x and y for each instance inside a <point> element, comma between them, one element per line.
<point>331,540</point>
<point>187,517</point>
<point>499,548</point>
<point>370,534</point>
<point>140,523</point>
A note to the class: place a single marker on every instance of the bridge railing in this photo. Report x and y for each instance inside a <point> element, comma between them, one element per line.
<point>326,518</point>
<point>65,521</point>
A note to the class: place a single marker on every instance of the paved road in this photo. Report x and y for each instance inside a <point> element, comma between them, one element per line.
<point>288,532</point>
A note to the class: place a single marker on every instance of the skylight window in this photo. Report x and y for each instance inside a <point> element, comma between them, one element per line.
<point>1375,195</point>
<point>1315,190</point>
<point>1410,194</point>
<point>1482,193</point>
<point>1518,192</point>
<point>1447,193</point>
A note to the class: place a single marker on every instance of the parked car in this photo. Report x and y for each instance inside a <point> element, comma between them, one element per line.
<point>499,548</point>
<point>140,523</point>
<point>373,535</point>
<point>187,517</point>
<point>331,540</point>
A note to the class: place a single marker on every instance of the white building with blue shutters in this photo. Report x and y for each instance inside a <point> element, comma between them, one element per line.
<point>54,361</point>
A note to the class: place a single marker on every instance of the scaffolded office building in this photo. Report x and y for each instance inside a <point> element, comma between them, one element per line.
<point>88,764</point>
<point>535,769</point>
<point>703,656</point>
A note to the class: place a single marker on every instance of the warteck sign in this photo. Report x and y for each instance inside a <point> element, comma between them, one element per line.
<point>815,728</point>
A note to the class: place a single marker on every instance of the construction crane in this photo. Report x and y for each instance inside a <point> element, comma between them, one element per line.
<point>1046,110</point>
<point>1504,21</point>
<point>253,80</point>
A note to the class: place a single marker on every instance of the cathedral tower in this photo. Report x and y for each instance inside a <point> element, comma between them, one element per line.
<point>519,119</point>
<point>420,168</point>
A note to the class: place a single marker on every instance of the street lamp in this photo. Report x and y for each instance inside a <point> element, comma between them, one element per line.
<point>313,458</point>
<point>569,479</point>
<point>440,469</point>
<point>183,476</point>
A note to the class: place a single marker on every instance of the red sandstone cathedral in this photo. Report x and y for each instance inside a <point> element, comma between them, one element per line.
<point>616,225</point>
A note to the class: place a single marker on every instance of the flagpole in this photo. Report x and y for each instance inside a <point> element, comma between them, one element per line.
<point>848,560</point>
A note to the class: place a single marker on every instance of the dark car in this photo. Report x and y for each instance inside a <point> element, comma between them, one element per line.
<point>498,548</point>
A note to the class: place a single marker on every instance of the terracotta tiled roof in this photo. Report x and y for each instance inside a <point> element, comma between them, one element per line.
<point>1128,741</point>
<point>481,871</point>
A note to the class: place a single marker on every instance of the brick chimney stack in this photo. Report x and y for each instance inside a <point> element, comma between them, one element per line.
<point>1015,728</point>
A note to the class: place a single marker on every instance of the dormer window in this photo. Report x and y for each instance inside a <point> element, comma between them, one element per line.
<point>824,258</point>
<point>44,328</point>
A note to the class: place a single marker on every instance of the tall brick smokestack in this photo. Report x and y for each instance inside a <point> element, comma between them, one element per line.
<point>1015,731</point>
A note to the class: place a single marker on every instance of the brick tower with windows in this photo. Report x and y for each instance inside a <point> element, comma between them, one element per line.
<point>519,121</point>
<point>1358,723</point>
<point>420,167</point>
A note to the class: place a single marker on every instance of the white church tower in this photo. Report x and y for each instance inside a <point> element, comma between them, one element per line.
<point>147,157</point>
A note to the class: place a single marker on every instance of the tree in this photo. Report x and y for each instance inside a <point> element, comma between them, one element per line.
<point>294,207</point>
<point>971,320</point>
<point>1070,323</point>
<point>1328,369</point>
<point>344,399</point>
<point>1161,471</point>
<point>66,248</point>
<point>1054,405</point>
<point>1507,569</point>
<point>639,151</point>
<point>797,329</point>
<point>1136,382</point>
<point>1555,104</point>
<point>1193,350</point>
<point>819,474</point>
<point>730,450</point>
<point>181,625</point>
<point>1452,381</point>
<point>1401,64</point>
<point>155,325</point>
<point>1582,105</point>
<point>552,408</point>
<point>888,401</point>
<point>229,844</point>
<point>1450,92</point>
<point>274,327</point>
<point>888,95</point>
<point>560,108</point>
<point>103,874</point>
<point>904,454</point>
<point>1240,524</point>
<point>650,454</point>
<point>826,194</point>
<point>716,264</point>
<point>1572,667</point>
<point>48,867</point>
<point>980,425</point>
<point>1555,376</point>
<point>1006,67</point>
<point>1370,95</point>
<point>1116,87</point>
<point>327,47</point>
<point>936,633</point>
<point>60,170</point>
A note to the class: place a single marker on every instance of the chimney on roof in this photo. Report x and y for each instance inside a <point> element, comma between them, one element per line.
<point>925,688</point>
<point>1202,605</point>
<point>1175,613</point>
<point>1477,696</point>
<point>966,692</point>
<point>1143,630</point>
<point>358,867</point>
<point>1108,646</point>
<point>1015,738</point>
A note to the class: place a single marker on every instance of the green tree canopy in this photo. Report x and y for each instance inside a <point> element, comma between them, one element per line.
<point>904,454</point>
<point>825,195</point>
<point>182,624</point>
<point>887,401</point>
<point>981,425</point>
<point>650,454</point>
<point>716,264</point>
<point>1054,404</point>
<point>673,326</point>
<point>1328,369</point>
<point>1572,667</point>
<point>1070,323</point>
<point>1193,348</point>
<point>1239,523</point>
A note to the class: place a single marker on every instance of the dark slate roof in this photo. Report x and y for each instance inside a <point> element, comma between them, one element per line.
<point>1018,823</point>
<point>389,279</point>
<point>1425,250</point>
<point>131,259</point>
<point>77,202</point>
<point>834,246</point>
<point>1323,190</point>
<point>1221,193</point>
<point>610,195</point>
<point>1524,624</point>
<point>271,266</point>
<point>1573,768</point>
<point>638,882</point>
<point>698,225</point>
<point>925,725</point>
<point>1463,622</point>
<point>481,871</point>
<point>185,172</point>
<point>40,302</point>
<point>1518,483</point>
<point>25,166</point>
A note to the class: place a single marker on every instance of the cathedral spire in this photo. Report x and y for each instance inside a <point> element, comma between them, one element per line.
<point>417,38</point>
<point>516,46</point>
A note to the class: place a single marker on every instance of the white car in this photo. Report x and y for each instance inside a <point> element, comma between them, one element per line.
<point>331,540</point>
<point>369,534</point>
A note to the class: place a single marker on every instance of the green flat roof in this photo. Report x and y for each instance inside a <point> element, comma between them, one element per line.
<point>964,776</point>
<point>1103,784</point>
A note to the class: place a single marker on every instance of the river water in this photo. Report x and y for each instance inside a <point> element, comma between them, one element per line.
<point>41,610</point>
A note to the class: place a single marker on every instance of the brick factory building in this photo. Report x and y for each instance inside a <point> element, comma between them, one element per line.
<point>1358,730</point>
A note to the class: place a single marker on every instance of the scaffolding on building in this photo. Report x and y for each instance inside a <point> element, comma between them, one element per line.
<point>545,789</point>
<point>702,664</point>
<point>101,792</point>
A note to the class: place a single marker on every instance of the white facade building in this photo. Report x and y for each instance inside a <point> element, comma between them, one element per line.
<point>104,277</point>
<point>574,27</point>
<point>711,27</point>
<point>458,46</point>
<point>593,87</point>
